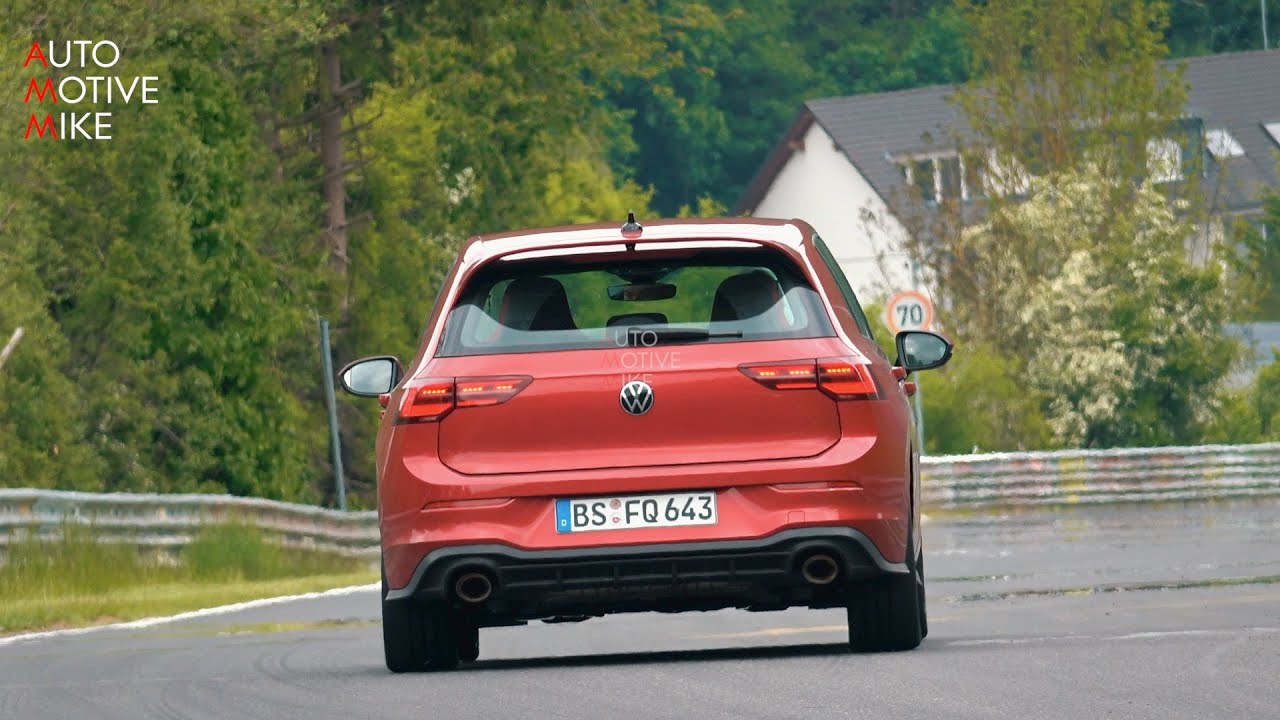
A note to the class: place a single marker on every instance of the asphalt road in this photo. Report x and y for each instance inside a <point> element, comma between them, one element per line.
<point>1170,612</point>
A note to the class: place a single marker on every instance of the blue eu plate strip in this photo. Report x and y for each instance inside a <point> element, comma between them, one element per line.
<point>562,516</point>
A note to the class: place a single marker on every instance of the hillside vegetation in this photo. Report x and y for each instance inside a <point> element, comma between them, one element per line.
<point>325,158</point>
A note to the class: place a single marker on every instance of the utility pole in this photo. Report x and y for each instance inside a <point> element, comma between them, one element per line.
<point>335,443</point>
<point>1265,44</point>
<point>915,285</point>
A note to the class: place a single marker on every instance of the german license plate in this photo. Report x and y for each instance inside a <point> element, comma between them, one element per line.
<point>635,511</point>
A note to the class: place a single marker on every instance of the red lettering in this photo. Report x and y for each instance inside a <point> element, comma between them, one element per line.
<point>41,92</point>
<point>35,52</point>
<point>40,127</point>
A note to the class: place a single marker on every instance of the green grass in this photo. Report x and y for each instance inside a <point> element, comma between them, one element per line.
<point>75,580</point>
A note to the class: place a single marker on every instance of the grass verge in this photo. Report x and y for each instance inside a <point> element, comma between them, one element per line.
<point>76,580</point>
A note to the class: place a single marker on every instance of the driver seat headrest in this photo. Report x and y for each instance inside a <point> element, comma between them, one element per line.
<point>746,295</point>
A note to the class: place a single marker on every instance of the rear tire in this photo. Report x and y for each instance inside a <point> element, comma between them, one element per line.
<point>403,638</point>
<point>443,643</point>
<point>468,643</point>
<point>924,613</point>
<point>885,614</point>
<point>418,636</point>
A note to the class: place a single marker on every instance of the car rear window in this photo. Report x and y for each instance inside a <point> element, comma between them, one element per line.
<point>570,303</point>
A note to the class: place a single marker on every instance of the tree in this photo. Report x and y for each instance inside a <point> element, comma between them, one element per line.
<point>491,116</point>
<point>1124,340</point>
<point>978,402</point>
<point>1093,256</point>
<point>1197,27</point>
<point>164,273</point>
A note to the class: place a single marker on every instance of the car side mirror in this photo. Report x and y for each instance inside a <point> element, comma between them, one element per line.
<point>371,376</point>
<point>922,350</point>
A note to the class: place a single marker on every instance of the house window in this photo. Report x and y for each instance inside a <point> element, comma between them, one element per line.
<point>948,171</point>
<point>974,174</point>
<point>1222,144</point>
<point>1164,160</point>
<point>1273,129</point>
<point>942,176</point>
<point>923,177</point>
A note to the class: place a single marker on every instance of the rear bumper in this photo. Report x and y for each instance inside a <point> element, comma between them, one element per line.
<point>743,573</point>
<point>858,484</point>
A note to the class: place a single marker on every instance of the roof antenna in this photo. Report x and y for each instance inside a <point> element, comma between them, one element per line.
<point>632,225</point>
<point>631,229</point>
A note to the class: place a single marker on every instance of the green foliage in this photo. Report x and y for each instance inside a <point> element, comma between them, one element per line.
<point>1077,269</point>
<point>79,578</point>
<point>74,562</point>
<point>1258,266</point>
<point>238,551</point>
<point>978,402</point>
<point>1120,330</point>
<point>169,280</point>
<point>1060,84</point>
<point>740,70</point>
<point>1250,414</point>
<point>1203,28</point>
<point>78,562</point>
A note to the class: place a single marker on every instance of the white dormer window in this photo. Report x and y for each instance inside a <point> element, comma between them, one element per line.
<point>1273,129</point>
<point>1164,160</point>
<point>941,176</point>
<point>1222,144</point>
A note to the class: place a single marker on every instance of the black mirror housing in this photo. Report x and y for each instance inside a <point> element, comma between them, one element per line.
<point>922,350</point>
<point>371,376</point>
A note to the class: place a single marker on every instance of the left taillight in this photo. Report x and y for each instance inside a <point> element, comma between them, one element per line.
<point>841,378</point>
<point>430,399</point>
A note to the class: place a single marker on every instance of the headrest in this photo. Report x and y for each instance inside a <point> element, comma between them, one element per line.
<point>637,319</point>
<point>536,303</point>
<point>744,296</point>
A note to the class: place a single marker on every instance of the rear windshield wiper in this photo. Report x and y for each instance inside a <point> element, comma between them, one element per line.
<point>639,336</point>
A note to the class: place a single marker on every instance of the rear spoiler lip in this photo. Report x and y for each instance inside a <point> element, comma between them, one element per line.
<point>791,238</point>
<point>622,246</point>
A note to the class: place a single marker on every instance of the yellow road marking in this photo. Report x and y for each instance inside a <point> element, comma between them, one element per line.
<point>785,631</point>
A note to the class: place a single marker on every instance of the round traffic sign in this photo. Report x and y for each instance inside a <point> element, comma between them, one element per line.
<point>908,310</point>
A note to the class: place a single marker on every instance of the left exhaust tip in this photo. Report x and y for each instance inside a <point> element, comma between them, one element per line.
<point>473,587</point>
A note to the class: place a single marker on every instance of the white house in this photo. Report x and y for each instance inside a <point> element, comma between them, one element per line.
<point>844,159</point>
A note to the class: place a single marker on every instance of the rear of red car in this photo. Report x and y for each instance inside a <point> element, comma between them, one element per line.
<point>688,416</point>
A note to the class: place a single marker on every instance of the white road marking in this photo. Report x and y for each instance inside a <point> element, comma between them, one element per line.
<point>1128,636</point>
<point>189,615</point>
<point>776,632</point>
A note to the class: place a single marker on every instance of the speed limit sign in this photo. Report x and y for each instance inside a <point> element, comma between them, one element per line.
<point>908,310</point>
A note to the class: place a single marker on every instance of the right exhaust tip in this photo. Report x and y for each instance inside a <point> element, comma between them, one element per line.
<point>819,569</point>
<point>473,587</point>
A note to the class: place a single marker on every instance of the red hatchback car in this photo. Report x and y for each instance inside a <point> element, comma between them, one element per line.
<point>689,415</point>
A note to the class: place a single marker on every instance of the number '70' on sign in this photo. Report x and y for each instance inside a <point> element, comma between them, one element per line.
<point>908,310</point>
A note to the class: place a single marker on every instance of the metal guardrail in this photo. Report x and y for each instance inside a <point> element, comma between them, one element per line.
<point>1068,477</point>
<point>173,520</point>
<point>953,482</point>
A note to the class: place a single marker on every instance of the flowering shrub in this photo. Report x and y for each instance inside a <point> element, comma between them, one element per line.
<point>1116,304</point>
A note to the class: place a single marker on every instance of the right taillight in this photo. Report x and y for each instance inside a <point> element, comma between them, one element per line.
<point>846,379</point>
<point>431,399</point>
<point>841,378</point>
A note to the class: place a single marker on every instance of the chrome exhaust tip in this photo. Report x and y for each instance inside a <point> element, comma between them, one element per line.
<point>819,569</point>
<point>473,587</point>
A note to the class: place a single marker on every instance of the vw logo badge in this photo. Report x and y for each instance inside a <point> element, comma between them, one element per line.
<point>636,397</point>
